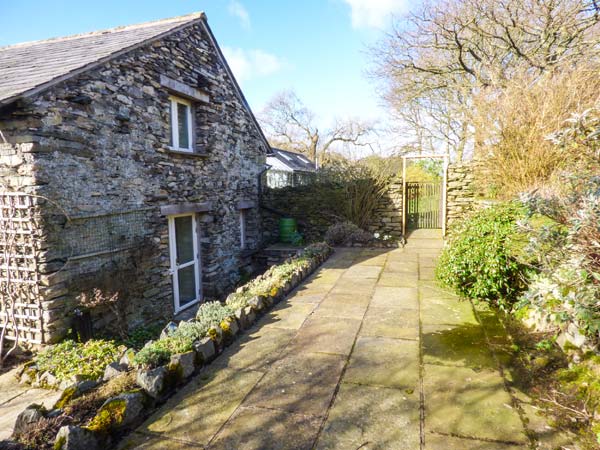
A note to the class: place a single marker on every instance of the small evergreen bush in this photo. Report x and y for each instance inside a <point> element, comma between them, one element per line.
<point>159,352</point>
<point>137,337</point>
<point>212,313</point>
<point>70,358</point>
<point>566,289</point>
<point>477,263</point>
<point>344,233</point>
<point>182,340</point>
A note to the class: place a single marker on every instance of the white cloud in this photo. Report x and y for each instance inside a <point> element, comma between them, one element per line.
<point>374,13</point>
<point>248,64</point>
<point>238,10</point>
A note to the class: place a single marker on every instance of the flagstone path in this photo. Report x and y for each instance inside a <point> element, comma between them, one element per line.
<point>15,397</point>
<point>368,353</point>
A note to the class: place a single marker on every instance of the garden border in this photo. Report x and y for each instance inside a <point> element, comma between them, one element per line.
<point>121,413</point>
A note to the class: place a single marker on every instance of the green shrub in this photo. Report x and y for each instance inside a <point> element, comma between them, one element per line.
<point>70,358</point>
<point>213,313</point>
<point>567,289</point>
<point>159,352</point>
<point>344,233</point>
<point>477,262</point>
<point>566,294</point>
<point>142,334</point>
<point>343,190</point>
<point>539,241</point>
<point>182,340</point>
<point>318,249</point>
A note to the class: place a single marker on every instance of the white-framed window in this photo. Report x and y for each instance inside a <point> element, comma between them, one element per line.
<point>243,229</point>
<point>181,125</point>
<point>185,260</point>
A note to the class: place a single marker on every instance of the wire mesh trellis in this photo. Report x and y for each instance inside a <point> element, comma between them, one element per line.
<point>25,222</point>
<point>20,242</point>
<point>91,235</point>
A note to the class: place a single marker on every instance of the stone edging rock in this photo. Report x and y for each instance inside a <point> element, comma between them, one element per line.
<point>568,337</point>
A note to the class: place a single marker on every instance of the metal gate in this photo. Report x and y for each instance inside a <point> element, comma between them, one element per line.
<point>423,205</point>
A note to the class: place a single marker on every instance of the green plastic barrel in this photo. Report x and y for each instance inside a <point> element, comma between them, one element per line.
<point>287,229</point>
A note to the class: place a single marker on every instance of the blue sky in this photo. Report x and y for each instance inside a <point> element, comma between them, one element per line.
<point>316,47</point>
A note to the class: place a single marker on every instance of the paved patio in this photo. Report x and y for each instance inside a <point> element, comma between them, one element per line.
<point>368,353</point>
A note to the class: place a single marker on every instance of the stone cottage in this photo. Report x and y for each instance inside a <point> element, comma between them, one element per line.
<point>130,166</point>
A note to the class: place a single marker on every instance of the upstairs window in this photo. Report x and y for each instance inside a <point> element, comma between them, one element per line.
<point>181,125</point>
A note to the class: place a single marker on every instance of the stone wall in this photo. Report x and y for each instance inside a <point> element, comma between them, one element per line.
<point>461,191</point>
<point>316,209</point>
<point>387,219</point>
<point>313,213</point>
<point>97,145</point>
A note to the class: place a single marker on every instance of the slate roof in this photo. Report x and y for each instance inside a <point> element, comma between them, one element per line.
<point>31,66</point>
<point>285,160</point>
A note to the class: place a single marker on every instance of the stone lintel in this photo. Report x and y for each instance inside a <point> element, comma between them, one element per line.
<point>185,208</point>
<point>184,90</point>
<point>194,154</point>
<point>246,204</point>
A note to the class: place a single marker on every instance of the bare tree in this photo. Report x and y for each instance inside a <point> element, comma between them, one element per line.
<point>514,127</point>
<point>290,125</point>
<point>436,59</point>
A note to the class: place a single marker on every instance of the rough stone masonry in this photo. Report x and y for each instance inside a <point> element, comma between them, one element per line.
<point>95,150</point>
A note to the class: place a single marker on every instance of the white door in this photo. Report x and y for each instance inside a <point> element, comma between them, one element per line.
<point>185,261</point>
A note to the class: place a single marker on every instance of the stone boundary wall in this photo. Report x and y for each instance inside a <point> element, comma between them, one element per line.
<point>461,198</point>
<point>314,216</point>
<point>387,219</point>
<point>461,194</point>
